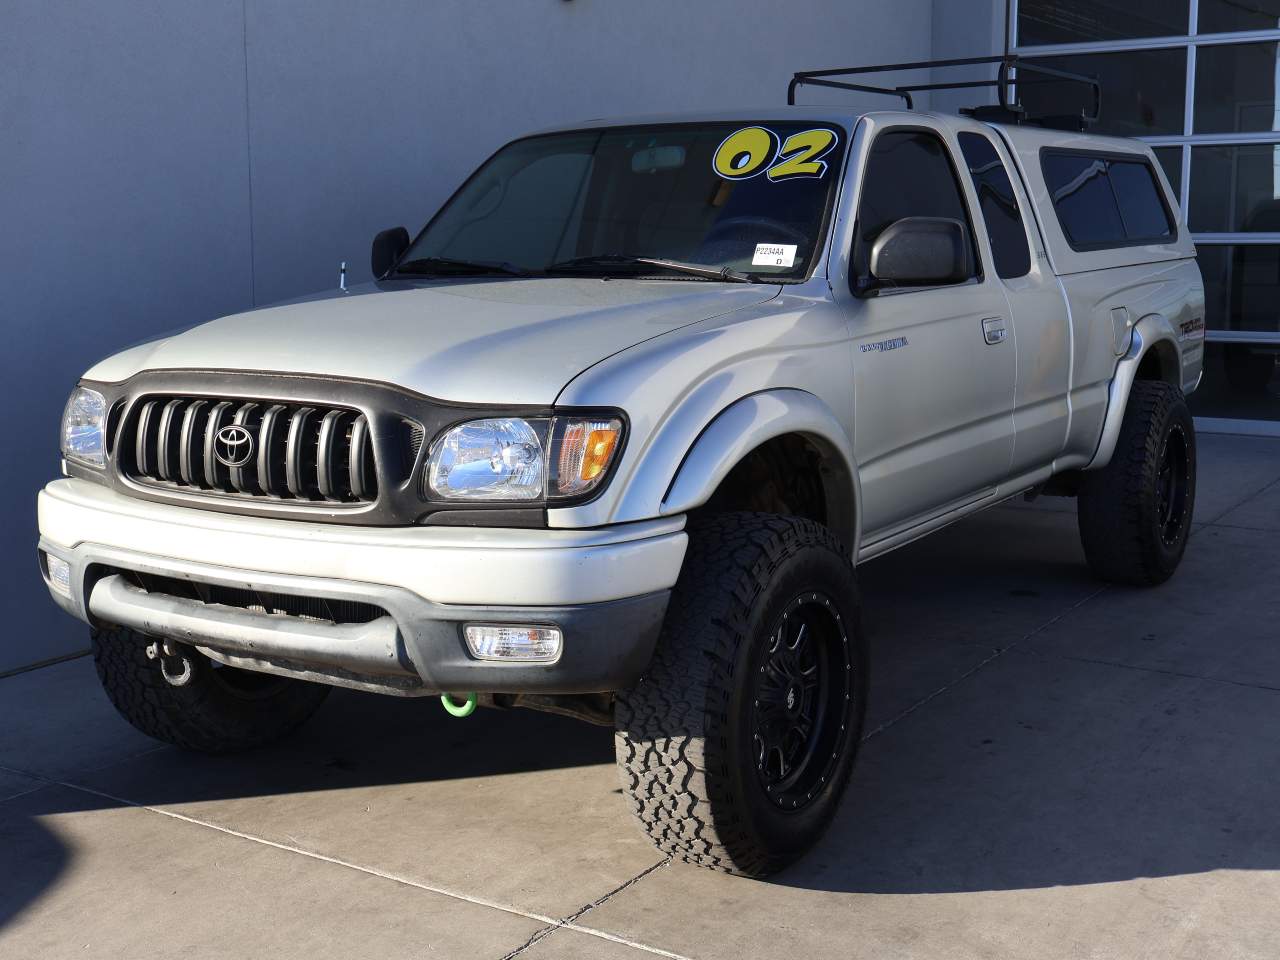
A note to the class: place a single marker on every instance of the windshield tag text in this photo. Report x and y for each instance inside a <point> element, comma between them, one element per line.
<point>775,255</point>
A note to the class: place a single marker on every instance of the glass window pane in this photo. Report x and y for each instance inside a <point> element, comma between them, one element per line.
<point>693,192</point>
<point>1236,88</point>
<point>1241,382</point>
<point>999,206</point>
<point>1074,21</point>
<point>1143,91</point>
<point>1142,207</point>
<point>1241,287</point>
<point>1227,16</point>
<point>1083,199</point>
<point>909,174</point>
<point>1170,158</point>
<point>1235,189</point>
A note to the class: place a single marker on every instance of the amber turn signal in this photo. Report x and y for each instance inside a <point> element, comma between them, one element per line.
<point>585,450</point>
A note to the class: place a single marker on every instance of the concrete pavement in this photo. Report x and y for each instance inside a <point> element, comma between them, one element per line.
<point>1054,769</point>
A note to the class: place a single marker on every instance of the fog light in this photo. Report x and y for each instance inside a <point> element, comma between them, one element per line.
<point>509,641</point>
<point>59,574</point>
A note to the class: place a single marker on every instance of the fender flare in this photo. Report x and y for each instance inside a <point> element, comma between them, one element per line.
<point>753,420</point>
<point>1150,333</point>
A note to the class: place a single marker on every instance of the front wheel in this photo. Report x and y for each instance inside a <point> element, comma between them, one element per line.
<point>1135,513</point>
<point>188,701</point>
<point>735,747</point>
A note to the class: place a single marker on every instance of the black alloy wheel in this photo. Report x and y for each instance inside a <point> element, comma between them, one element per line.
<point>1172,484</point>
<point>801,695</point>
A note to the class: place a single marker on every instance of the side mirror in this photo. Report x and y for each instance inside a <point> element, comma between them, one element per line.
<point>918,251</point>
<point>387,247</point>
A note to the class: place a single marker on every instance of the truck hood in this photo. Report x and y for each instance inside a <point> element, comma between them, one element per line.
<point>467,341</point>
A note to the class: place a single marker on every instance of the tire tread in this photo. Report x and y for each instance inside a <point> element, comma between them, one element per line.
<point>670,725</point>
<point>1113,508</point>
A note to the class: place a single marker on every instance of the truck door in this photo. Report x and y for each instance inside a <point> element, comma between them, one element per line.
<point>1041,325</point>
<point>933,366</point>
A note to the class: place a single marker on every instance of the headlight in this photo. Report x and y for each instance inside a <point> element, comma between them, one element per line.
<point>83,423</point>
<point>513,459</point>
<point>499,459</point>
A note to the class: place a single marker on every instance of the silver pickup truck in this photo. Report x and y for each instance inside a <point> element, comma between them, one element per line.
<point>611,435</point>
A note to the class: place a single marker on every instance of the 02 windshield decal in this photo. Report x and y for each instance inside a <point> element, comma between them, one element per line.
<point>751,151</point>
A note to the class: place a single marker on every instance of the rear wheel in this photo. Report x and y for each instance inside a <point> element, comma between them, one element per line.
<point>1135,514</point>
<point>735,747</point>
<point>187,700</point>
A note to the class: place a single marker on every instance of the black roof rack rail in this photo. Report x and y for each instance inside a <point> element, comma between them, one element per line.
<point>1008,110</point>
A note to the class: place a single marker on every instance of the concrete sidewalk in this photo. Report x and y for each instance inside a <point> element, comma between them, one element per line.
<point>1054,769</point>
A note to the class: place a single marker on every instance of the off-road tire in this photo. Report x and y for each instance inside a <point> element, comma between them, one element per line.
<point>688,754</point>
<point>1134,529</point>
<point>217,710</point>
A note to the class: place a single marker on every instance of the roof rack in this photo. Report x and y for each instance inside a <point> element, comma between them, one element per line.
<point>1008,110</point>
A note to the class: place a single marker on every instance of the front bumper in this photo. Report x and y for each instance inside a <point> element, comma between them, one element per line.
<point>605,589</point>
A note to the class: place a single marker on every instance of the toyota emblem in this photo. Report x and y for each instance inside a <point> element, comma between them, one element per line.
<point>233,446</point>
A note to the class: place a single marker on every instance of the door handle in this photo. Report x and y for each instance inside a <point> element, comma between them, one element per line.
<point>993,330</point>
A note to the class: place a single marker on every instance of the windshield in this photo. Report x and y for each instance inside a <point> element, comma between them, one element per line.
<point>747,200</point>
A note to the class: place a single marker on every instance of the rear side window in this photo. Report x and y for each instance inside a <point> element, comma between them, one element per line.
<point>1105,201</point>
<point>1141,208</point>
<point>909,174</point>
<point>999,206</point>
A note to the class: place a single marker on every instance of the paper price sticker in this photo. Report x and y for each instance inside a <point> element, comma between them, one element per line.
<point>774,255</point>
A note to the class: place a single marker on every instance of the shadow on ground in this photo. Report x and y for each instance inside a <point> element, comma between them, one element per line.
<point>36,858</point>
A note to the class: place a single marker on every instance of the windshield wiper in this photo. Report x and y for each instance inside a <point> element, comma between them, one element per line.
<point>448,266</point>
<point>676,266</point>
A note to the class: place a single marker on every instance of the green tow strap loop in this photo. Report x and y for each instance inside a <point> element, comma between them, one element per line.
<point>464,709</point>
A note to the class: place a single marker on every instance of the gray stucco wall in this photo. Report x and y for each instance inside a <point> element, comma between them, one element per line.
<point>968,28</point>
<point>163,163</point>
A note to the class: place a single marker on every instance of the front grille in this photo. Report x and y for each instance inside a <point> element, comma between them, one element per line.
<point>299,452</point>
<point>320,609</point>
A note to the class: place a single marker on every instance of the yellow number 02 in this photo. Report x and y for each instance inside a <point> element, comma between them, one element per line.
<point>802,155</point>
<point>745,153</point>
<point>749,151</point>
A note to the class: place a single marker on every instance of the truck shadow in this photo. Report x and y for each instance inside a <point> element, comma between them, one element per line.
<point>1055,765</point>
<point>67,837</point>
<point>35,857</point>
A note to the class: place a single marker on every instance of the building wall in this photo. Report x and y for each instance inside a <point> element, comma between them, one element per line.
<point>164,163</point>
<point>962,30</point>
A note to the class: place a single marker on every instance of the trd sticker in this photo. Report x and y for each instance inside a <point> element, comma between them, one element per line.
<point>1192,327</point>
<point>883,346</point>
<point>751,151</point>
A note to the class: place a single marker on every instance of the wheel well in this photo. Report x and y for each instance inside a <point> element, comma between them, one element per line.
<point>791,475</point>
<point>1159,363</point>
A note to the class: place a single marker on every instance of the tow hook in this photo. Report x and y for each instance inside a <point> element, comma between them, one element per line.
<point>455,709</point>
<point>175,666</point>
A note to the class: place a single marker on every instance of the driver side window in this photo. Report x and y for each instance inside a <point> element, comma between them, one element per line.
<point>909,174</point>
